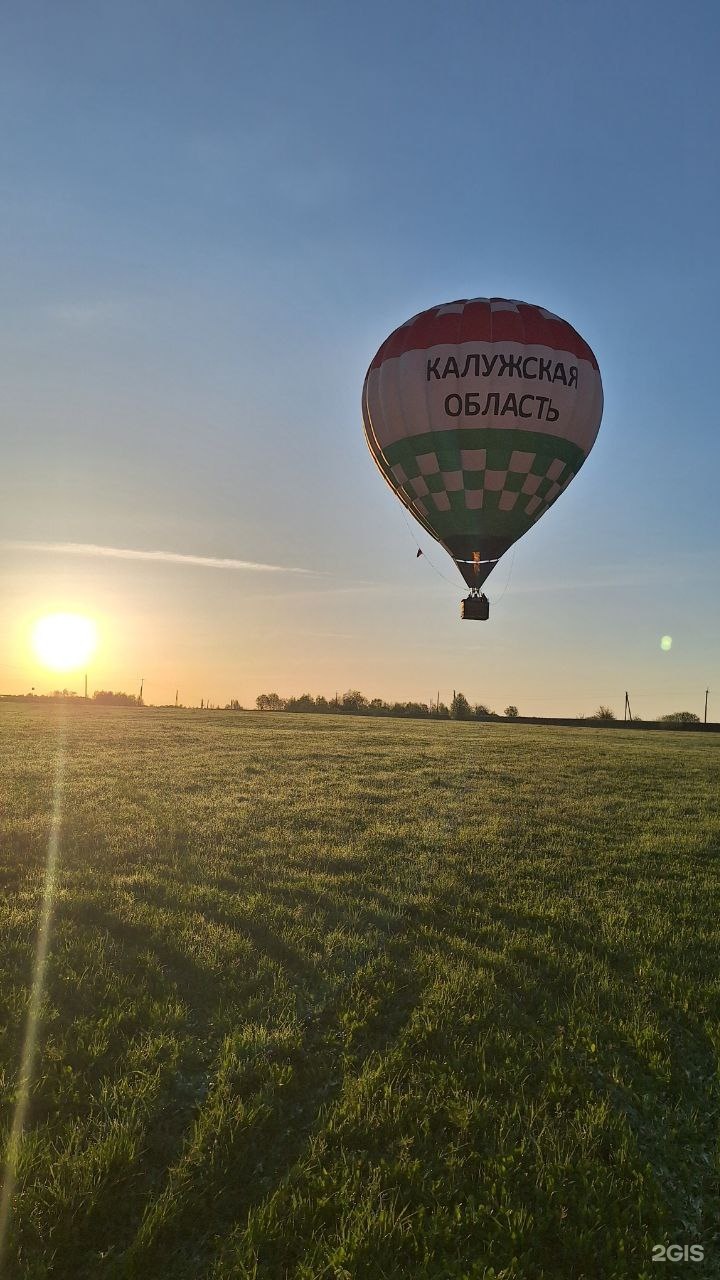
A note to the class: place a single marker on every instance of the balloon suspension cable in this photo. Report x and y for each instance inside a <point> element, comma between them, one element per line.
<point>507,580</point>
<point>474,591</point>
<point>455,585</point>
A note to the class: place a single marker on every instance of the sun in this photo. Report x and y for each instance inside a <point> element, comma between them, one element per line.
<point>64,641</point>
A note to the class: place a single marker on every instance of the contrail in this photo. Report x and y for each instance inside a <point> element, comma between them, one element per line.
<point>27,1060</point>
<point>164,557</point>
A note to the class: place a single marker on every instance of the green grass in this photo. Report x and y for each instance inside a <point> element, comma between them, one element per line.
<point>338,997</point>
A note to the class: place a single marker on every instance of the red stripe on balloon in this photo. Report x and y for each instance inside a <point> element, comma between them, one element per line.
<point>478,322</point>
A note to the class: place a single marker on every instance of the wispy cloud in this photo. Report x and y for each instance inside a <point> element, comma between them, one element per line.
<point>90,549</point>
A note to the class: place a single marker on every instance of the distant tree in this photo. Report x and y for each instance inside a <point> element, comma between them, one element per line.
<point>511,712</point>
<point>63,693</point>
<point>354,702</point>
<point>321,703</point>
<point>269,702</point>
<point>378,707</point>
<point>305,702</point>
<point>603,713</point>
<point>411,710</point>
<point>481,712</point>
<point>233,705</point>
<point>107,698</point>
<point>680,717</point>
<point>460,708</point>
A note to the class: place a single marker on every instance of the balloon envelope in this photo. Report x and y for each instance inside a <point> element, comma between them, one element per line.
<point>479,413</point>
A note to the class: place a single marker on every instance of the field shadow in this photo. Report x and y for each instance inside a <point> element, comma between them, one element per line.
<point>143,954</point>
<point>248,1170</point>
<point>671,1104</point>
<point>290,1088</point>
<point>289,1111</point>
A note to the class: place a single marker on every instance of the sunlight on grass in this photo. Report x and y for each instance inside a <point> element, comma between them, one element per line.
<point>27,1060</point>
<point>336,997</point>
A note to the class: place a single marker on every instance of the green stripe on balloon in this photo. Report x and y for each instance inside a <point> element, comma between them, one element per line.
<point>487,522</point>
<point>500,443</point>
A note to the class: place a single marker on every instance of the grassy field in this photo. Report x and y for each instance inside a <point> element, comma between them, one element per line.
<point>341,998</point>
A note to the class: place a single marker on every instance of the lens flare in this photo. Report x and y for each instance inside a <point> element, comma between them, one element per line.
<point>32,1025</point>
<point>64,641</point>
<point>666,644</point>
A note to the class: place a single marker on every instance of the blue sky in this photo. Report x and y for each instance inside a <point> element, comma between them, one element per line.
<point>213,215</point>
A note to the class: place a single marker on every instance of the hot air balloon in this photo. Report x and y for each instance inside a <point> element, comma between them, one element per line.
<point>479,413</point>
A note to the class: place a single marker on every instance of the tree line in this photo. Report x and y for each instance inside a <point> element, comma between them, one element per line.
<point>351,703</point>
<point>106,697</point>
<point>355,703</point>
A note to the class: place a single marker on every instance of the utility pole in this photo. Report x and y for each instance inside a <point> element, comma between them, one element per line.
<point>627,713</point>
<point>86,686</point>
<point>706,698</point>
<point>176,696</point>
<point>142,682</point>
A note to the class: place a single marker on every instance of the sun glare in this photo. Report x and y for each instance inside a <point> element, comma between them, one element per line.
<point>64,641</point>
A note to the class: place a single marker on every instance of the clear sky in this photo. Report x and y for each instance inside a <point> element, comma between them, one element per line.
<point>213,214</point>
